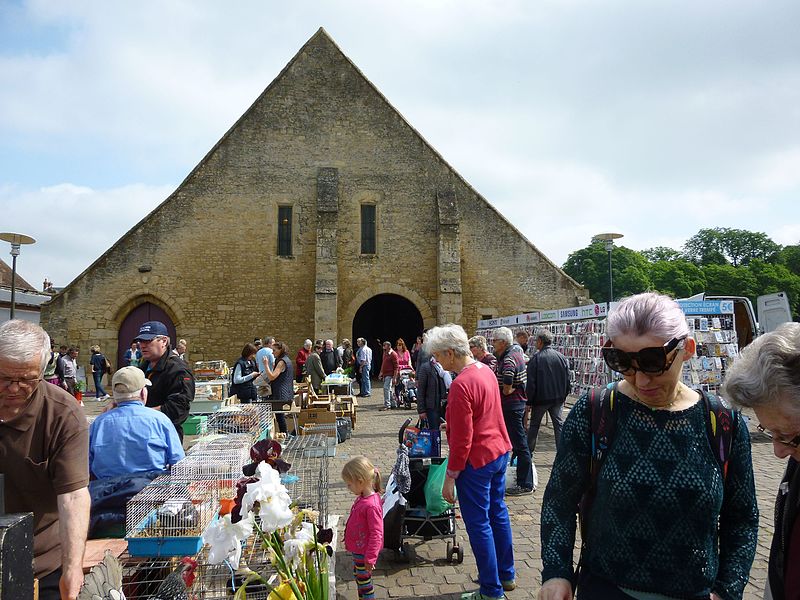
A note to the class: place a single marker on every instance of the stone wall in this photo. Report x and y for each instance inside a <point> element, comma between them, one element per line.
<point>323,140</point>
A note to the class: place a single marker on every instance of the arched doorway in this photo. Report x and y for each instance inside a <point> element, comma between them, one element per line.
<point>146,311</point>
<point>386,317</point>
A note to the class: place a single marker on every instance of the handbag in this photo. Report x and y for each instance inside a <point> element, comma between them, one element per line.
<point>107,365</point>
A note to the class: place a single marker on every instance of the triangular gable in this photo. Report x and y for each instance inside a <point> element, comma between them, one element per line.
<point>5,278</point>
<point>320,37</point>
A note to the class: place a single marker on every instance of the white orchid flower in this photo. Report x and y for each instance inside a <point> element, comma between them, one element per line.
<point>225,539</point>
<point>298,542</point>
<point>272,497</point>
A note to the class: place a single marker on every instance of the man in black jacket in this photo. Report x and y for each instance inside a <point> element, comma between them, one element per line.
<point>547,388</point>
<point>172,388</point>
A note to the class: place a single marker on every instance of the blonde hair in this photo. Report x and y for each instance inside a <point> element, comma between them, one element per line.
<point>359,468</point>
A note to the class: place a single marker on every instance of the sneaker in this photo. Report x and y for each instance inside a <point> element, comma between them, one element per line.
<point>509,586</point>
<point>518,491</point>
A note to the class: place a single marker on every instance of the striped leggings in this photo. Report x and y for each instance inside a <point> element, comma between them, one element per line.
<point>363,578</point>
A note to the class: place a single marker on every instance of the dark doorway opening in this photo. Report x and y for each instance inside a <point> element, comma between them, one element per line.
<point>135,319</point>
<point>386,317</point>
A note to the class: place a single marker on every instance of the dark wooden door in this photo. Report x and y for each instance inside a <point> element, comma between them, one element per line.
<point>130,327</point>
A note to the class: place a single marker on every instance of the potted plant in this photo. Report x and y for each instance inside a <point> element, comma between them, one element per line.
<point>80,387</point>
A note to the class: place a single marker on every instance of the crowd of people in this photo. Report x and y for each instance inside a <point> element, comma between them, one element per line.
<point>657,476</point>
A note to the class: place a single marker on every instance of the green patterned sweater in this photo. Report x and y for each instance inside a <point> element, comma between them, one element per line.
<point>660,521</point>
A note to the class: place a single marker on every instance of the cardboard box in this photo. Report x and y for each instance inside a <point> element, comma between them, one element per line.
<point>316,416</point>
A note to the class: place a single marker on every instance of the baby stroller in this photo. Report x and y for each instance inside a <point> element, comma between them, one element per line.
<point>408,517</point>
<point>406,388</point>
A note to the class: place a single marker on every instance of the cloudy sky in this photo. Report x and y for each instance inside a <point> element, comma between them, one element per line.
<point>573,117</point>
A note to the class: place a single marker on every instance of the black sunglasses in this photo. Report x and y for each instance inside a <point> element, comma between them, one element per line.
<point>792,443</point>
<point>653,361</point>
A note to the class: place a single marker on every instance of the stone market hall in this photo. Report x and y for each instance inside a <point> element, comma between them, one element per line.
<point>321,213</point>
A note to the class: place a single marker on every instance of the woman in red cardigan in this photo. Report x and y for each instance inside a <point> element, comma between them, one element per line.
<point>479,451</point>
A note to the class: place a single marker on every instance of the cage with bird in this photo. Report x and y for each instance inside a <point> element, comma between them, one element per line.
<point>307,480</point>
<point>252,419</point>
<point>168,517</point>
<point>156,579</point>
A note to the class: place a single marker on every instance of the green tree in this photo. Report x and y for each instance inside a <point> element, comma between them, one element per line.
<point>677,278</point>
<point>661,253</point>
<point>727,280</point>
<point>723,245</point>
<point>772,278</point>
<point>789,256</point>
<point>589,266</point>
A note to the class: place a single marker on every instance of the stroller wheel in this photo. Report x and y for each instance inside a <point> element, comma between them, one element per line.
<point>455,553</point>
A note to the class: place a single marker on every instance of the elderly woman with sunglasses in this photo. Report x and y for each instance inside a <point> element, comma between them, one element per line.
<point>766,378</point>
<point>663,521</point>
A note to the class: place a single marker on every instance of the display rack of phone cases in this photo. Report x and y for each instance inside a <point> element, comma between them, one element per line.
<point>717,348</point>
<point>580,342</point>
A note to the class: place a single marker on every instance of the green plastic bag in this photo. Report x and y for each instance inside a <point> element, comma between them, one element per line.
<point>435,503</point>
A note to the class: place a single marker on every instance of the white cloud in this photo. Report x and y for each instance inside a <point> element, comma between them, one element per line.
<point>72,225</point>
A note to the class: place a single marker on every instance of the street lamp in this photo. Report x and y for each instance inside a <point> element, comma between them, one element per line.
<point>609,238</point>
<point>16,240</point>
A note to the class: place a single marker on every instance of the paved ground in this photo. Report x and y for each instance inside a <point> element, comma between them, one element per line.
<point>429,575</point>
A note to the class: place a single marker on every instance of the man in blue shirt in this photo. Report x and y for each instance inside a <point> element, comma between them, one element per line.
<point>131,438</point>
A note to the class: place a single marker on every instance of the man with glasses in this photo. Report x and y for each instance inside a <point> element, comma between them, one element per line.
<point>512,377</point>
<point>172,388</point>
<point>44,445</point>
<point>766,378</point>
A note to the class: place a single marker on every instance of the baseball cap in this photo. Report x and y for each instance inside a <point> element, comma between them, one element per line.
<point>150,330</point>
<point>128,381</point>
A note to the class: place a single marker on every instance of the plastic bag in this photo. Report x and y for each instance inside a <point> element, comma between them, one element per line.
<point>422,442</point>
<point>435,503</point>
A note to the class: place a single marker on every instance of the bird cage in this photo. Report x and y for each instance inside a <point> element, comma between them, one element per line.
<point>218,582</point>
<point>307,480</point>
<point>217,444</point>
<point>146,578</point>
<point>223,468</point>
<point>252,419</point>
<point>168,517</point>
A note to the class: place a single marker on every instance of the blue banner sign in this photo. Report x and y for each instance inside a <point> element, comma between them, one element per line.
<point>706,307</point>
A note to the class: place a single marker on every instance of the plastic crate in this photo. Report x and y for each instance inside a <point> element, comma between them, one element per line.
<point>195,425</point>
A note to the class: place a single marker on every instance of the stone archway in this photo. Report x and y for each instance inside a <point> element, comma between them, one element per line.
<point>347,316</point>
<point>132,315</point>
<point>387,317</point>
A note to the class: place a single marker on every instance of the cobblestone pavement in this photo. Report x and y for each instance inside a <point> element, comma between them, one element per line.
<point>430,575</point>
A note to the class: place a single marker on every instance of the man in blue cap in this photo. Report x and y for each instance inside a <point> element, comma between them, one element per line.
<point>172,383</point>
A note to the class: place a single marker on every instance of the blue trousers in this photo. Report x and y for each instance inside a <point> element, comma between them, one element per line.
<point>519,442</point>
<point>388,393</point>
<point>366,383</point>
<point>481,495</point>
<point>98,384</point>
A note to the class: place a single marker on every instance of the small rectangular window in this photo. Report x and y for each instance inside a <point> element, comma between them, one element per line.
<point>367,229</point>
<point>284,231</point>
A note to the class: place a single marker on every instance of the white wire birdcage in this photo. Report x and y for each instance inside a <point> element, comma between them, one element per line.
<point>168,516</point>
<point>214,445</point>
<point>307,479</point>
<point>252,419</point>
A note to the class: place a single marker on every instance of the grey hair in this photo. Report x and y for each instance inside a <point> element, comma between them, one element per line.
<point>267,340</point>
<point>447,337</point>
<point>504,334</point>
<point>767,371</point>
<point>648,314</point>
<point>545,336</point>
<point>23,341</point>
<point>479,342</point>
<point>307,344</point>
<point>361,341</point>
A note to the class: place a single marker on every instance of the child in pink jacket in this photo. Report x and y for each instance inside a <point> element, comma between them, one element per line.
<point>363,534</point>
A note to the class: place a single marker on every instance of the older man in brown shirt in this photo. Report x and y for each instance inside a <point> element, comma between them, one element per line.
<point>44,456</point>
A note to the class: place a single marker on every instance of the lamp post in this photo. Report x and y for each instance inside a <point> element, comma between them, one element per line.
<point>609,238</point>
<point>16,240</point>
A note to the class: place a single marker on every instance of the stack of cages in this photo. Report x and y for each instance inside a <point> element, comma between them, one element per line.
<point>307,485</point>
<point>252,419</point>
